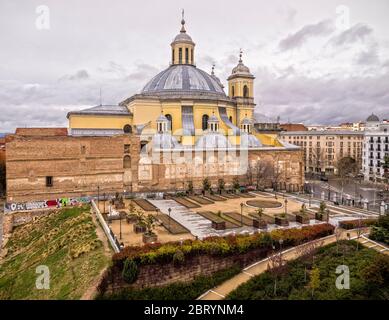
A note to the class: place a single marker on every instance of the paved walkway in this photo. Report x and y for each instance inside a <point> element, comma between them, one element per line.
<point>221,291</point>
<point>364,240</point>
<point>195,223</point>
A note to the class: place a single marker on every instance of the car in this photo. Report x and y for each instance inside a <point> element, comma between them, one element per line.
<point>323,178</point>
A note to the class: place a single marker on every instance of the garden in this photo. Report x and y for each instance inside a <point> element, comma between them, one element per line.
<point>136,267</point>
<point>313,276</point>
<point>380,230</point>
<point>66,242</point>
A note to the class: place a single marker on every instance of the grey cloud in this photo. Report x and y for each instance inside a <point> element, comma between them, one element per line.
<point>298,38</point>
<point>358,32</point>
<point>368,57</point>
<point>79,75</point>
<point>321,100</point>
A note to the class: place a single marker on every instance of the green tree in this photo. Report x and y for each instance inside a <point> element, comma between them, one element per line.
<point>206,185</point>
<point>235,183</point>
<point>314,282</point>
<point>190,187</point>
<point>221,185</point>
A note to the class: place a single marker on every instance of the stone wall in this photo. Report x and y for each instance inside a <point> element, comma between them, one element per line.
<point>163,274</point>
<point>78,166</point>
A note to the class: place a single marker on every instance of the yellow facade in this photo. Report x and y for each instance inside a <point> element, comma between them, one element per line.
<point>144,109</point>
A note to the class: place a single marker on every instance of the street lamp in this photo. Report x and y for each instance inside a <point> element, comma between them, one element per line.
<point>98,197</point>
<point>104,202</point>
<point>241,214</point>
<point>169,210</point>
<point>120,224</point>
<point>281,242</point>
<point>286,206</point>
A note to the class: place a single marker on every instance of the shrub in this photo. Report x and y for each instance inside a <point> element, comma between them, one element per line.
<point>353,224</point>
<point>178,257</point>
<point>130,271</point>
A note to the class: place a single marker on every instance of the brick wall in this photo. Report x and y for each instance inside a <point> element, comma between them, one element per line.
<point>78,166</point>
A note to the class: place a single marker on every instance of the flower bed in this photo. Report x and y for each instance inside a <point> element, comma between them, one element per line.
<point>353,224</point>
<point>264,204</point>
<point>145,204</point>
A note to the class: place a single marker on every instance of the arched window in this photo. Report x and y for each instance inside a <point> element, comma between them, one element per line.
<point>191,56</point>
<point>127,162</point>
<point>245,91</point>
<point>233,91</point>
<point>169,117</point>
<point>186,55</point>
<point>172,55</point>
<point>204,122</point>
<point>127,129</point>
<point>180,55</point>
<point>230,119</point>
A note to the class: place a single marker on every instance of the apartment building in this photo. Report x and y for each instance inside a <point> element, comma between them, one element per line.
<point>322,149</point>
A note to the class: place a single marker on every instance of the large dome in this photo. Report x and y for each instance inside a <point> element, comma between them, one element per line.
<point>184,80</point>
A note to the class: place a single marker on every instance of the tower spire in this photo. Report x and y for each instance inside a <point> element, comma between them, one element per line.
<point>240,55</point>
<point>183,22</point>
<point>213,70</point>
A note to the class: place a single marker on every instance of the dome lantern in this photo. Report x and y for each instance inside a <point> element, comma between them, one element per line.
<point>182,46</point>
<point>245,125</point>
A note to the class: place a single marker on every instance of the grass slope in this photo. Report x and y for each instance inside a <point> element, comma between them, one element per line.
<point>369,277</point>
<point>66,242</point>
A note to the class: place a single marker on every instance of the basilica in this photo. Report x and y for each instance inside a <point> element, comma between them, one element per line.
<point>180,129</point>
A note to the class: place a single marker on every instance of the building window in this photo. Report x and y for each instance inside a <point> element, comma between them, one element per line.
<point>49,181</point>
<point>191,55</point>
<point>127,129</point>
<point>204,122</point>
<point>172,55</point>
<point>180,56</point>
<point>169,117</point>
<point>233,91</point>
<point>127,148</point>
<point>127,162</point>
<point>245,91</point>
<point>230,119</point>
<point>83,149</point>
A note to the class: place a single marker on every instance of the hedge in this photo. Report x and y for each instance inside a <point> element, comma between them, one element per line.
<point>353,224</point>
<point>220,246</point>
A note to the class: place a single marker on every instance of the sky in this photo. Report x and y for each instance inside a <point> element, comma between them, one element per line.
<point>316,62</point>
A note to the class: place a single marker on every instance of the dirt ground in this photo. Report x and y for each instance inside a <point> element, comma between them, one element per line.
<point>234,205</point>
<point>129,237</point>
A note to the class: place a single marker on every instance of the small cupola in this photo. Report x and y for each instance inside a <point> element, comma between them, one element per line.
<point>213,123</point>
<point>162,124</point>
<point>245,125</point>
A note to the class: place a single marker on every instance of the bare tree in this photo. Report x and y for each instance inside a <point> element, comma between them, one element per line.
<point>250,174</point>
<point>277,267</point>
<point>262,172</point>
<point>346,167</point>
<point>276,174</point>
<point>318,158</point>
<point>307,253</point>
<point>338,236</point>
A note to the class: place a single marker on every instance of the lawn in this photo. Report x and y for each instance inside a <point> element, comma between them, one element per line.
<point>369,277</point>
<point>65,242</point>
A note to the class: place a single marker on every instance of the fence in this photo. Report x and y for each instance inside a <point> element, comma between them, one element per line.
<point>108,232</point>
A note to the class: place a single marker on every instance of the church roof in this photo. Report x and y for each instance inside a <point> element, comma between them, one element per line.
<point>213,140</point>
<point>184,80</point>
<point>372,118</point>
<point>115,110</point>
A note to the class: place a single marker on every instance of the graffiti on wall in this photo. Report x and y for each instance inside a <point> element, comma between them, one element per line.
<point>56,203</point>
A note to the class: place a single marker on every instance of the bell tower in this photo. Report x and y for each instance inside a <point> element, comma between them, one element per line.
<point>183,47</point>
<point>241,89</point>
